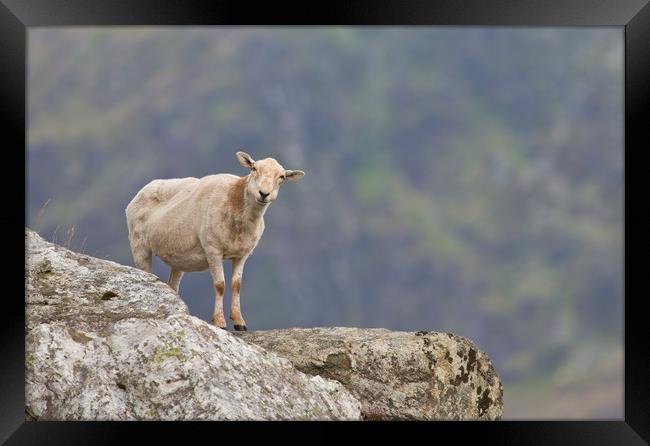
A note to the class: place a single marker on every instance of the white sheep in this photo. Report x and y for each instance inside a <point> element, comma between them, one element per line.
<point>194,224</point>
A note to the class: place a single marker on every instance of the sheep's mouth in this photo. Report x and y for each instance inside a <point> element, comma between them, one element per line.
<point>262,202</point>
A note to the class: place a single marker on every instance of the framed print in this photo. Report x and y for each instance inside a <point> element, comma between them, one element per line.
<point>410,213</point>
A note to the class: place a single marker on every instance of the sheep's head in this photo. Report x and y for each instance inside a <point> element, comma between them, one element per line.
<point>266,177</point>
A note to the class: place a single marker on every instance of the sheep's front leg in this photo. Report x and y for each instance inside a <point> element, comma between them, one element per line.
<point>235,309</point>
<point>215,261</point>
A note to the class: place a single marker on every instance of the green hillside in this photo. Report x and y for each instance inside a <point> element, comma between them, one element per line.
<point>458,179</point>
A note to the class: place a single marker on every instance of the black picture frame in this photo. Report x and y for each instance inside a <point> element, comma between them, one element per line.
<point>16,16</point>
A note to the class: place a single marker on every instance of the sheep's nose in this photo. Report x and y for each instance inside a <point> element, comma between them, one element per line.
<point>263,195</point>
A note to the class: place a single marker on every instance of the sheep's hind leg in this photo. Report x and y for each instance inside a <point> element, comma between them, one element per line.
<point>175,276</point>
<point>142,259</point>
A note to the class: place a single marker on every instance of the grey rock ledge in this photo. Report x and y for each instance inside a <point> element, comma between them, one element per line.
<point>396,375</point>
<point>110,342</point>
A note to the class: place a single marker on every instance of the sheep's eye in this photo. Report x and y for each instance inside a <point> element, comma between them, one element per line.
<point>253,169</point>
<point>282,177</point>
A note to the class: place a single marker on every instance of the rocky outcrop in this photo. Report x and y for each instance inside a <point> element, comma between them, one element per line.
<point>395,375</point>
<point>109,342</point>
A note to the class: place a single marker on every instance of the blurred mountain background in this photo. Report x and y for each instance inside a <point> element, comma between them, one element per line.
<point>458,179</point>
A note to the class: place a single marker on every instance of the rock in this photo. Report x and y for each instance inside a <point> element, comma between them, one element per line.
<point>396,375</point>
<point>110,342</point>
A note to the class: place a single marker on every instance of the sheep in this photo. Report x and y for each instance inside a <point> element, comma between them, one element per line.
<point>195,224</point>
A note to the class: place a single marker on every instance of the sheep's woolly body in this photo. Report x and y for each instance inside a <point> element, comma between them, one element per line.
<point>176,218</point>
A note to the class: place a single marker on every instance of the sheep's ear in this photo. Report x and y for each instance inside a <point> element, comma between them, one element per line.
<point>245,160</point>
<point>294,175</point>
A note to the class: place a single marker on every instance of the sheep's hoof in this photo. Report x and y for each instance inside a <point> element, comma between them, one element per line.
<point>240,327</point>
<point>220,324</point>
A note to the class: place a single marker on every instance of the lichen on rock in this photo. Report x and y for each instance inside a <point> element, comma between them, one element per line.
<point>396,375</point>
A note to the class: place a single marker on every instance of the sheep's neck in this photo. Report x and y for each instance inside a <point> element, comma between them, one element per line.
<point>251,212</point>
